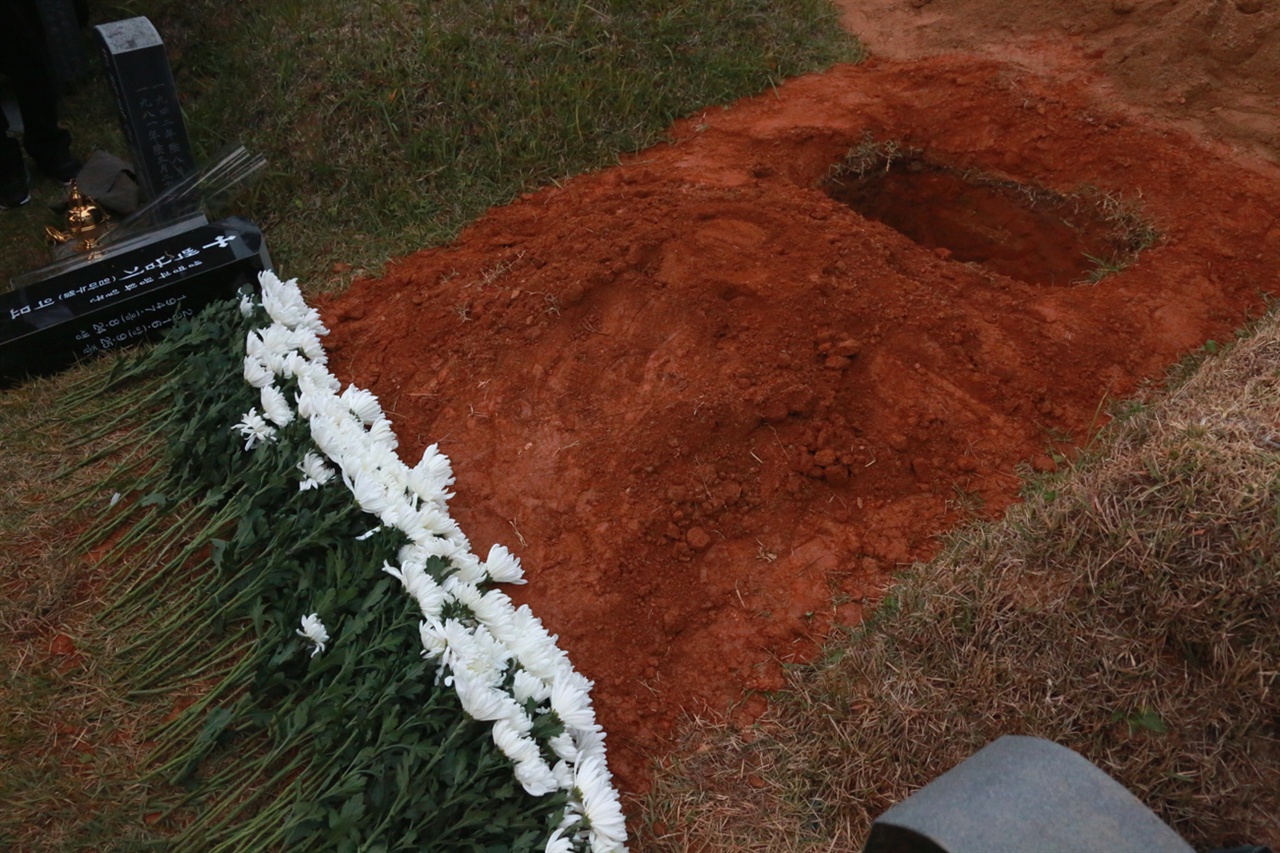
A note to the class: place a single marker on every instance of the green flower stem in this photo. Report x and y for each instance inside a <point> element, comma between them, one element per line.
<point>168,736</point>
<point>226,652</point>
<point>127,596</point>
<point>219,818</point>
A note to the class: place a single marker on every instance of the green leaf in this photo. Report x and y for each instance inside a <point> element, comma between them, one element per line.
<point>214,725</point>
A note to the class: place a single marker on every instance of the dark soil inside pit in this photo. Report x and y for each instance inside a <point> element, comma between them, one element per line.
<point>713,409</point>
<point>1020,231</point>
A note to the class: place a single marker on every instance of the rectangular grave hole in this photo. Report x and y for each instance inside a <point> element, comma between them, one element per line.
<point>1018,230</point>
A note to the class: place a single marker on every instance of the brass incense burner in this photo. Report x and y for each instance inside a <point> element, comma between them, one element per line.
<point>86,223</point>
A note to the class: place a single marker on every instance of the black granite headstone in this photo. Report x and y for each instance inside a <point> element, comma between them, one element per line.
<point>150,114</point>
<point>62,38</point>
<point>74,310</point>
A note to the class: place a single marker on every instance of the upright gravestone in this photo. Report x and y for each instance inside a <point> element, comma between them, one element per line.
<point>150,115</point>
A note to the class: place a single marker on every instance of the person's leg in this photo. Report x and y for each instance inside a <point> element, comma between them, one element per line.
<point>13,171</point>
<point>23,60</point>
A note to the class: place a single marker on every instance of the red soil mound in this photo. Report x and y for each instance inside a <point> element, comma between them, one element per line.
<point>702,399</point>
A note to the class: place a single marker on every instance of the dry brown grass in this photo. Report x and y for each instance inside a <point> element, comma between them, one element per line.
<point>70,741</point>
<point>1128,610</point>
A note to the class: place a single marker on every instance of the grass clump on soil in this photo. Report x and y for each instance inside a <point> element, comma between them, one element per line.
<point>1125,610</point>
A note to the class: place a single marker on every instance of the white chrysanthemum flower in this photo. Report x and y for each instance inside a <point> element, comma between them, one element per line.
<point>518,719</point>
<point>469,569</point>
<point>294,365</point>
<point>514,745</point>
<point>285,303</point>
<point>254,429</point>
<point>564,746</point>
<point>309,342</point>
<point>423,588</point>
<point>559,842</point>
<point>600,802</point>
<point>277,342</point>
<point>486,658</point>
<point>256,373</point>
<point>571,700</point>
<point>363,404</point>
<point>397,507</point>
<point>535,648</point>
<point>253,344</point>
<point>434,644</point>
<point>462,591</point>
<point>503,567</point>
<point>397,475</point>
<point>247,305</point>
<point>314,472</point>
<point>420,556</point>
<point>368,490</point>
<point>496,613</point>
<point>528,686</point>
<point>422,549</point>
<point>315,380</point>
<point>425,522</point>
<point>275,406</point>
<point>479,700</point>
<point>563,771</point>
<point>270,345</point>
<point>378,455</point>
<point>590,742</point>
<point>334,436</point>
<point>308,404</point>
<point>381,434</point>
<point>432,476</point>
<point>536,777</point>
<point>313,629</point>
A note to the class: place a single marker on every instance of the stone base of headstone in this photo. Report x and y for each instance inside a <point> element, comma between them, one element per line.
<point>75,309</point>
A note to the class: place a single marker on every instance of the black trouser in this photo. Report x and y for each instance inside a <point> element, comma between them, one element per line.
<point>23,59</point>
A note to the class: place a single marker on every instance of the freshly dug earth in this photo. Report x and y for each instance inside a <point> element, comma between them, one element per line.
<point>713,408</point>
<point>1210,66</point>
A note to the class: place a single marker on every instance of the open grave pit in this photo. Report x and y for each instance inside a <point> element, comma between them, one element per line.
<point>1017,229</point>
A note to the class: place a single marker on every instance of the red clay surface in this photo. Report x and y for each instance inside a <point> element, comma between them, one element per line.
<point>701,399</point>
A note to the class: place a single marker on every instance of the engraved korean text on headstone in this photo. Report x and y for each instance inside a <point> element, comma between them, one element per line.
<point>105,304</point>
<point>150,115</point>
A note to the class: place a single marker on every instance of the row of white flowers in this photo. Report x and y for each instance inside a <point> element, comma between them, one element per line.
<point>479,654</point>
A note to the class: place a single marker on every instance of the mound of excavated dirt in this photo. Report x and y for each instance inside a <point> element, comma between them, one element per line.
<point>702,399</point>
